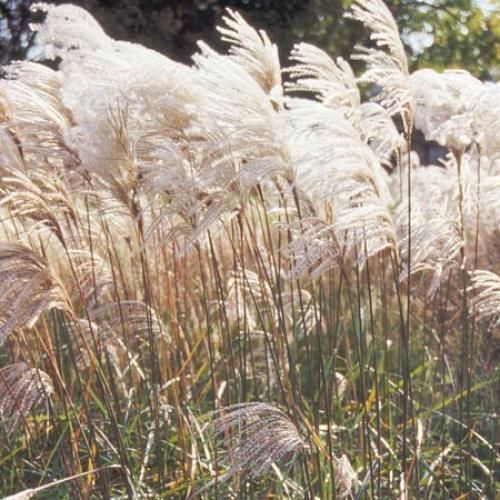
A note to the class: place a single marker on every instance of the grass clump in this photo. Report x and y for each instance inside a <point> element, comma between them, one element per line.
<point>221,283</point>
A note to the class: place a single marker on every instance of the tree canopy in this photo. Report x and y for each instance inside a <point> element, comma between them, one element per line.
<point>438,33</point>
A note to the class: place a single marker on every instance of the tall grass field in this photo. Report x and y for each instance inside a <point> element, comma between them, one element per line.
<point>235,280</point>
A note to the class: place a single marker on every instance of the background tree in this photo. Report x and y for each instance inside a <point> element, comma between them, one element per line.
<point>438,33</point>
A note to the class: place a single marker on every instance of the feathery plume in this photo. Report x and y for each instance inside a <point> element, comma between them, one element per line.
<point>486,296</point>
<point>480,103</point>
<point>37,117</point>
<point>376,16</point>
<point>388,68</point>
<point>332,82</point>
<point>345,477</point>
<point>313,249</point>
<point>43,199</point>
<point>441,108</point>
<point>435,231</point>
<point>131,318</point>
<point>27,288</point>
<point>256,435</point>
<point>67,28</point>
<point>120,329</point>
<point>334,165</point>
<point>379,131</point>
<point>247,291</point>
<point>254,51</point>
<point>21,389</point>
<point>238,119</point>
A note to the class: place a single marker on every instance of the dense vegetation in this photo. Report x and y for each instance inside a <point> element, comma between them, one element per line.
<point>454,33</point>
<point>214,284</point>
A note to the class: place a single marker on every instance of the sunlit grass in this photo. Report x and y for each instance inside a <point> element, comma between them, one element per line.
<point>211,288</point>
